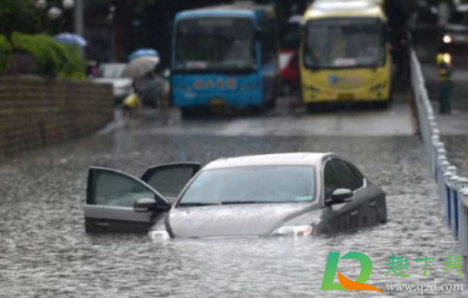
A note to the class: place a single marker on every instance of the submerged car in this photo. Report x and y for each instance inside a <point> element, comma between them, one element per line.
<point>293,194</point>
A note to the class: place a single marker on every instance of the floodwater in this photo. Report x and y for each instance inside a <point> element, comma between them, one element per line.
<point>45,252</point>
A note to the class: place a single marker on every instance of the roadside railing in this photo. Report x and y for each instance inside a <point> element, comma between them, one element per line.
<point>452,189</point>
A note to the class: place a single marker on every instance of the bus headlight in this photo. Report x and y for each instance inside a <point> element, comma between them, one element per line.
<point>447,39</point>
<point>293,231</point>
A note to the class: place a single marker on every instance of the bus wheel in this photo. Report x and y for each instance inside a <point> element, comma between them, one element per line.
<point>272,104</point>
<point>382,105</point>
<point>315,107</point>
<point>187,113</point>
<point>258,110</point>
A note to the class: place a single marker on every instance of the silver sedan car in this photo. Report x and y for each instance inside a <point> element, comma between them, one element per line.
<point>294,194</point>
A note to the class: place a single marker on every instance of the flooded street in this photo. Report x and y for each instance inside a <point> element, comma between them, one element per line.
<point>45,251</point>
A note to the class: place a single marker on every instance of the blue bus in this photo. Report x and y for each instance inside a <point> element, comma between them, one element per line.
<point>225,56</point>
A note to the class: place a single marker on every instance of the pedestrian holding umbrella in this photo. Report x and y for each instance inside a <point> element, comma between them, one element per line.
<point>140,66</point>
<point>138,70</point>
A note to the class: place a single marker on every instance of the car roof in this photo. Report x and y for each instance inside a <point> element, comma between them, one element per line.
<point>300,158</point>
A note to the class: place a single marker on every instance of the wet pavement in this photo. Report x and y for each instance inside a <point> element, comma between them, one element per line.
<point>45,251</point>
<point>288,119</point>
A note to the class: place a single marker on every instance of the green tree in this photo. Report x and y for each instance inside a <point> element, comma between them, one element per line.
<point>18,15</point>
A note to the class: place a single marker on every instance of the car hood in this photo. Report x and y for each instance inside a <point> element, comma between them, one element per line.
<point>118,83</point>
<point>232,220</point>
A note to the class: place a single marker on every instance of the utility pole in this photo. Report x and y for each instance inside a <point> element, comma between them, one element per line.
<point>79,23</point>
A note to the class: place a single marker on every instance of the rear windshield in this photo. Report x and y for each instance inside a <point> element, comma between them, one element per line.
<point>264,184</point>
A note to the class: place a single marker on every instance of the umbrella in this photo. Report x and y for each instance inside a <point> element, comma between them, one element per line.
<point>69,38</point>
<point>140,66</point>
<point>143,53</point>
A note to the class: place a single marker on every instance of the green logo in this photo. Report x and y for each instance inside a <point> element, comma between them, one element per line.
<point>345,283</point>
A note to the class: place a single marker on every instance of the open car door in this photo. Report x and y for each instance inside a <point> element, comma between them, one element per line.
<point>110,199</point>
<point>112,194</point>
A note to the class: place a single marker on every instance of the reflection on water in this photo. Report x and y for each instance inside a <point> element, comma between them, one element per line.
<point>45,251</point>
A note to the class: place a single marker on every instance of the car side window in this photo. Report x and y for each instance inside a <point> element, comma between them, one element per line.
<point>331,179</point>
<point>113,189</point>
<point>170,182</point>
<point>348,175</point>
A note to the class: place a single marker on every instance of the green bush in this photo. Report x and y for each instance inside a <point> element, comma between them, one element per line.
<point>5,50</point>
<point>74,65</point>
<point>53,58</point>
<point>42,48</point>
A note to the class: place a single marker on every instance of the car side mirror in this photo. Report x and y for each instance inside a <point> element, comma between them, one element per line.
<point>340,196</point>
<point>144,205</point>
<point>259,34</point>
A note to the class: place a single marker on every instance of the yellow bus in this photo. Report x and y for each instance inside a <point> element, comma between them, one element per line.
<point>345,53</point>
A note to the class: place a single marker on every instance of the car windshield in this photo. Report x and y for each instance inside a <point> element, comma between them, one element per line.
<point>263,184</point>
<point>344,42</point>
<point>215,44</point>
<point>111,71</point>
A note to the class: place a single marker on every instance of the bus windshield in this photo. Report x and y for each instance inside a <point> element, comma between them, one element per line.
<point>215,44</point>
<point>344,43</point>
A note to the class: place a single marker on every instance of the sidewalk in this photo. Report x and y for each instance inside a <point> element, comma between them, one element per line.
<point>457,122</point>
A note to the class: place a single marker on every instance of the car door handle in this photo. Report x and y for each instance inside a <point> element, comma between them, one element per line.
<point>354,213</point>
<point>373,204</point>
<point>101,223</point>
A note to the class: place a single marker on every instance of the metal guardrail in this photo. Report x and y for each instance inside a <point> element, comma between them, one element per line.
<point>452,189</point>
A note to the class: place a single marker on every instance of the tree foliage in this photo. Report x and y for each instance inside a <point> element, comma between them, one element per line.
<point>18,15</point>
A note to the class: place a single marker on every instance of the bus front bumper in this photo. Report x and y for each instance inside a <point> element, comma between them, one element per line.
<point>231,99</point>
<point>310,97</point>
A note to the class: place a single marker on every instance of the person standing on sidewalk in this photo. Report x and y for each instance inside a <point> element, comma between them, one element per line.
<point>445,81</point>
